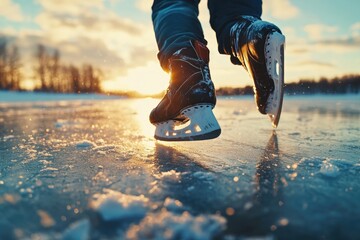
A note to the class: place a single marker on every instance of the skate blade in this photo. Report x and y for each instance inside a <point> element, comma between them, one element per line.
<point>274,55</point>
<point>200,124</point>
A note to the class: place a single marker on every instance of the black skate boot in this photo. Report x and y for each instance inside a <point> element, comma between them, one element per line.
<point>259,47</point>
<point>185,112</point>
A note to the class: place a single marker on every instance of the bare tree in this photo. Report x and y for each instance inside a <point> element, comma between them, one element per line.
<point>53,67</point>
<point>3,65</point>
<point>91,79</point>
<point>14,75</point>
<point>40,70</point>
<point>75,79</point>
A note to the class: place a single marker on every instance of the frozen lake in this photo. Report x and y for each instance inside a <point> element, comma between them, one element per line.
<point>90,169</point>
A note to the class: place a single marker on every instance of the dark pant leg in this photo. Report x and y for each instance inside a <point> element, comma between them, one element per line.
<point>175,24</point>
<point>223,15</point>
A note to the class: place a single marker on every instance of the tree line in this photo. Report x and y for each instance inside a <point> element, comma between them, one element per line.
<point>10,75</point>
<point>49,73</point>
<point>339,85</point>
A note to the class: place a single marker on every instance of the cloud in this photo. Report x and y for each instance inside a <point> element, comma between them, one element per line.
<point>316,63</point>
<point>355,29</point>
<point>71,6</point>
<point>125,38</point>
<point>280,9</point>
<point>88,22</point>
<point>317,31</point>
<point>356,26</point>
<point>144,5</point>
<point>11,11</point>
<point>94,52</point>
<point>345,44</point>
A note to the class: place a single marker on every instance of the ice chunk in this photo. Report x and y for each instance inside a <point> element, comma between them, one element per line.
<point>329,170</point>
<point>113,205</point>
<point>85,144</point>
<point>79,230</point>
<point>168,225</point>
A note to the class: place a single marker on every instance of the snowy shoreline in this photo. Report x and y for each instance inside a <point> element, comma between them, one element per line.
<point>13,96</point>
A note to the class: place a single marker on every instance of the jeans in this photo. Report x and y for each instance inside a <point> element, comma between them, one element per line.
<point>176,23</point>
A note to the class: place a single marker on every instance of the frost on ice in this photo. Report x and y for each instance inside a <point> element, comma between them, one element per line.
<point>167,225</point>
<point>170,176</point>
<point>113,205</point>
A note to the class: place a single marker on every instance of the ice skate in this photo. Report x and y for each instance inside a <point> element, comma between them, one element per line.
<point>259,47</point>
<point>185,112</point>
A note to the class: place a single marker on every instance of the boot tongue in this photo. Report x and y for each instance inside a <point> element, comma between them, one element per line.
<point>197,51</point>
<point>186,61</point>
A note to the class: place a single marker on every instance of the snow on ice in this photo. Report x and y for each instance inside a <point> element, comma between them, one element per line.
<point>169,225</point>
<point>171,176</point>
<point>113,205</point>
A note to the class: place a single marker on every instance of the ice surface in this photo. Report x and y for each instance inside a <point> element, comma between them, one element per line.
<point>93,169</point>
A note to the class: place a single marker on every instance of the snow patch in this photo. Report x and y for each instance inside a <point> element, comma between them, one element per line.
<point>113,205</point>
<point>168,225</point>
<point>171,176</point>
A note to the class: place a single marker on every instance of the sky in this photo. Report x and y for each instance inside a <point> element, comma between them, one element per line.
<point>322,39</point>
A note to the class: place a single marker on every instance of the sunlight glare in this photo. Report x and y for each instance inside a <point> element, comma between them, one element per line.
<point>149,79</point>
<point>143,108</point>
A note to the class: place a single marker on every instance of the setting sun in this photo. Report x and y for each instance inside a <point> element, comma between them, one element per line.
<point>147,80</point>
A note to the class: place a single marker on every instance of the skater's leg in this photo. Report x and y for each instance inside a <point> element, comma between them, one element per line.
<point>185,112</point>
<point>175,24</point>
<point>224,14</point>
<point>255,44</point>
